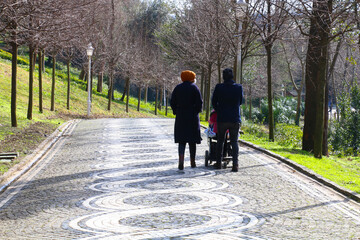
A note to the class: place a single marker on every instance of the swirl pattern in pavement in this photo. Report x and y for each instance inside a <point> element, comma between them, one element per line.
<point>143,196</point>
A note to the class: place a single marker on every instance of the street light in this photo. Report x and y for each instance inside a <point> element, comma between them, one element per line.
<point>242,6</point>
<point>89,52</point>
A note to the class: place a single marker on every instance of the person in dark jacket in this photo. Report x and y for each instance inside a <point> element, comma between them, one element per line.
<point>226,100</point>
<point>186,103</point>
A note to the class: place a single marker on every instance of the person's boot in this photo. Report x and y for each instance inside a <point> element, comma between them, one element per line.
<point>235,168</point>
<point>181,162</point>
<point>193,163</point>
<point>217,165</point>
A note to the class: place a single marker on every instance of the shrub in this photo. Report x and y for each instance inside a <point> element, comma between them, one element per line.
<point>255,112</point>
<point>254,129</point>
<point>288,135</point>
<point>284,110</point>
<point>8,56</point>
<point>344,135</point>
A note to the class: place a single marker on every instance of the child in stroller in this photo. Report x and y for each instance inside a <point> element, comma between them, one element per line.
<point>210,155</point>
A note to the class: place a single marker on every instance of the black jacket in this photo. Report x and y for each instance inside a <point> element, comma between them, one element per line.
<point>186,103</point>
<point>226,101</point>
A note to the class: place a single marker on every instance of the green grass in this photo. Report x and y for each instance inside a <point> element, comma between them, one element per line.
<point>343,171</point>
<point>52,119</point>
<point>78,102</point>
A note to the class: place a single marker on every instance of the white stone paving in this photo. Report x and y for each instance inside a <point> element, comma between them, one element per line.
<point>118,179</point>
<point>117,186</point>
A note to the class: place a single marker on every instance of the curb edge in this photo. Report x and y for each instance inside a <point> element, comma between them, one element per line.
<point>304,170</point>
<point>29,161</point>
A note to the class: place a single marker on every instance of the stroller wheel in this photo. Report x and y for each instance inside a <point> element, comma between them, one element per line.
<point>206,158</point>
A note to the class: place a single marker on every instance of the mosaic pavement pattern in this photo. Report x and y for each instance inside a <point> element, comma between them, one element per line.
<point>118,179</point>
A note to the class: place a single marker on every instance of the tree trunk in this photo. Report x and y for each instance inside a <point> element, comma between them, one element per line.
<point>250,105</point>
<point>330,76</point>
<point>139,99</point>
<point>127,94</point>
<point>325,148</point>
<point>68,85</point>
<point>219,70</point>
<point>345,73</point>
<point>335,99</point>
<point>241,69</point>
<point>298,109</point>
<point>110,92</point>
<point>146,94</point>
<point>298,89</point>
<point>298,105</point>
<point>31,82</point>
<point>208,91</point>
<point>112,60</point>
<point>86,78</point>
<point>13,81</point>
<point>166,103</point>
<point>100,82</point>
<point>43,62</point>
<point>268,48</point>
<point>316,63</point>
<point>236,46</point>
<point>34,61</point>
<point>160,99</point>
<point>40,81</point>
<point>125,89</point>
<point>156,98</point>
<point>202,81</point>
<point>53,84</point>
<point>82,74</point>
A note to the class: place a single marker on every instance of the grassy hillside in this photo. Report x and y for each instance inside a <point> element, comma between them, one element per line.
<point>30,133</point>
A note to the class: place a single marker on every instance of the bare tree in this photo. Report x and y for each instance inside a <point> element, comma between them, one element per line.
<point>324,17</point>
<point>294,49</point>
<point>12,14</point>
<point>269,19</point>
<point>197,39</point>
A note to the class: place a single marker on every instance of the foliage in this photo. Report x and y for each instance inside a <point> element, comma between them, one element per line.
<point>52,119</point>
<point>284,111</point>
<point>343,171</point>
<point>288,135</point>
<point>254,129</point>
<point>8,56</point>
<point>255,113</point>
<point>345,134</point>
<point>285,134</point>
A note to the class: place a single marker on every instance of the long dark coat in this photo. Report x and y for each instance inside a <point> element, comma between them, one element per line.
<point>186,103</point>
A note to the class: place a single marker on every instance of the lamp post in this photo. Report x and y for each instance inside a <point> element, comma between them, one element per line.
<point>89,52</point>
<point>242,6</point>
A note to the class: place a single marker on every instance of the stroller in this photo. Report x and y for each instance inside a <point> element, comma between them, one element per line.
<point>210,155</point>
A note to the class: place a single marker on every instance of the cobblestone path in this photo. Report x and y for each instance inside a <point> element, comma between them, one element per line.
<point>118,179</point>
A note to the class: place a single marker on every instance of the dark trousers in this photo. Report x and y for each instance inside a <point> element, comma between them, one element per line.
<point>234,135</point>
<point>192,148</point>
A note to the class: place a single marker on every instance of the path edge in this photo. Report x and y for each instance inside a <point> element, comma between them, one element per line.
<point>304,170</point>
<point>30,160</point>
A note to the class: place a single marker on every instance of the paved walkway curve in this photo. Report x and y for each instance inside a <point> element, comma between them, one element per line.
<point>118,179</point>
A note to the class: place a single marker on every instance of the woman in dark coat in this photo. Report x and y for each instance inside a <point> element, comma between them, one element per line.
<point>186,103</point>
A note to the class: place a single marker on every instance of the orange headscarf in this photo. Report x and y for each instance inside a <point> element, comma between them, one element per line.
<point>188,76</point>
